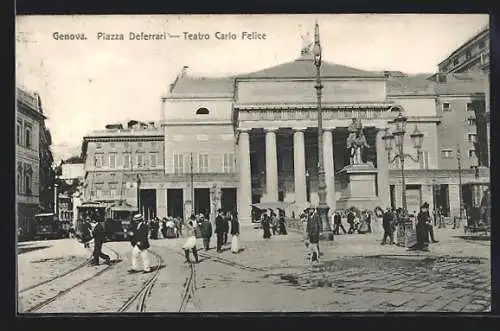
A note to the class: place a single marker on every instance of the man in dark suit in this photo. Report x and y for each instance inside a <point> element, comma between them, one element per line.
<point>99,235</point>
<point>220,228</point>
<point>140,244</point>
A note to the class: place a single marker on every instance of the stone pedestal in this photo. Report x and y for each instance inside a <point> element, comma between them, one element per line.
<point>359,187</point>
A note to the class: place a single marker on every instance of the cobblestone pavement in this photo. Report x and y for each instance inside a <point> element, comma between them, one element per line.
<point>356,273</point>
<point>46,259</point>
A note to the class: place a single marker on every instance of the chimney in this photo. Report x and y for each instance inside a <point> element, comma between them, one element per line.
<point>184,71</point>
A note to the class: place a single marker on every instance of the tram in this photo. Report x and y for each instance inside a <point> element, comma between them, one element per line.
<point>48,226</point>
<point>116,216</point>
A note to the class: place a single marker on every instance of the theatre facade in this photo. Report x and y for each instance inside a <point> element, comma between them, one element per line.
<point>253,138</point>
<point>231,142</point>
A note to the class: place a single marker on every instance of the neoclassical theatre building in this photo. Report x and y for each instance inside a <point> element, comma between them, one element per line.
<point>235,141</point>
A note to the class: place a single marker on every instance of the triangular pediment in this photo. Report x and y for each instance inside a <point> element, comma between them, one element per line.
<point>304,67</point>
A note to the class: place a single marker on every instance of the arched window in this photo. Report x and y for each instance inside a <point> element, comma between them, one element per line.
<point>202,111</point>
<point>27,184</point>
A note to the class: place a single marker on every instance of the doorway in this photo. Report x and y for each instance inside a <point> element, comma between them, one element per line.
<point>175,202</point>
<point>442,198</point>
<point>148,204</point>
<point>202,201</point>
<point>228,199</point>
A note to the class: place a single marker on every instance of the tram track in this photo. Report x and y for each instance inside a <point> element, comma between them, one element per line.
<point>230,263</point>
<point>67,272</point>
<point>40,305</point>
<point>189,289</point>
<point>141,296</point>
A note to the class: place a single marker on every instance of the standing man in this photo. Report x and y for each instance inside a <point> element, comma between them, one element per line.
<point>220,228</point>
<point>313,231</point>
<point>387,224</point>
<point>140,243</point>
<point>99,238</point>
<point>227,220</point>
<point>337,223</point>
<point>206,232</point>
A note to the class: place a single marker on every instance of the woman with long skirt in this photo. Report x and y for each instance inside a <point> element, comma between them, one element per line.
<point>235,232</point>
<point>266,226</point>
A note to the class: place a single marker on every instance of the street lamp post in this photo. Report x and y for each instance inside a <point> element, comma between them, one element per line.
<point>308,185</point>
<point>323,208</point>
<point>461,200</point>
<point>417,138</point>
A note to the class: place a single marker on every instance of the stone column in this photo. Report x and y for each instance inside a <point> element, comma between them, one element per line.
<point>161,202</point>
<point>271,166</point>
<point>454,199</point>
<point>383,172</point>
<point>299,166</point>
<point>245,185</point>
<point>329,168</point>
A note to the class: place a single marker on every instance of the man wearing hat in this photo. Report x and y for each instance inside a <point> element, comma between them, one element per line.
<point>99,234</point>
<point>220,228</point>
<point>140,244</point>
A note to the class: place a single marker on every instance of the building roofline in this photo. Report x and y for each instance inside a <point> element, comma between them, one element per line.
<point>483,30</point>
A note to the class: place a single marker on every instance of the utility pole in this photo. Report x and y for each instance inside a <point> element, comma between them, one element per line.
<point>459,160</point>
<point>192,183</point>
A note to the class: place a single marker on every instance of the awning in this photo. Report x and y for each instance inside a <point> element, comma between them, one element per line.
<point>272,205</point>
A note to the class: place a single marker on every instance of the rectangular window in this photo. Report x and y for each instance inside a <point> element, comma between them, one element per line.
<point>471,121</point>
<point>203,163</point>
<point>469,106</point>
<point>178,163</point>
<point>27,184</point>
<point>19,183</point>
<point>472,153</point>
<point>112,194</point>
<point>228,163</point>
<point>140,160</point>
<point>446,153</point>
<point>19,133</point>
<point>472,137</point>
<point>446,106</point>
<point>98,194</point>
<point>28,135</point>
<point>424,160</point>
<point>126,160</point>
<point>152,158</point>
<point>98,161</point>
<point>112,160</point>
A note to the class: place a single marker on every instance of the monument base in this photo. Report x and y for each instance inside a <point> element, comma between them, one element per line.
<point>360,190</point>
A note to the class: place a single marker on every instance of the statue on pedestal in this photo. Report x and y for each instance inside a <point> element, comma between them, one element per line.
<point>356,142</point>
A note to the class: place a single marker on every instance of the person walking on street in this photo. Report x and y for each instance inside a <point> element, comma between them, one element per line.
<point>282,224</point>
<point>99,234</point>
<point>85,232</point>
<point>140,243</point>
<point>421,229</point>
<point>313,232</point>
<point>235,232</point>
<point>337,223</point>
<point>350,221</point>
<point>206,232</point>
<point>190,244</point>
<point>274,222</point>
<point>220,228</point>
<point>387,224</point>
<point>227,221</point>
<point>428,222</point>
<point>266,226</point>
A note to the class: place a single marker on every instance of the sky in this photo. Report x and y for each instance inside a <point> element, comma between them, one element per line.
<point>86,84</point>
